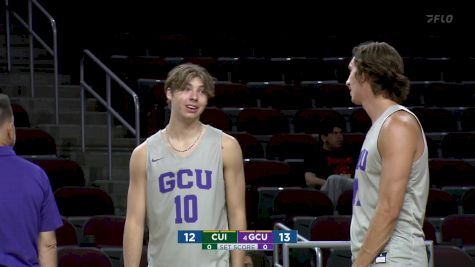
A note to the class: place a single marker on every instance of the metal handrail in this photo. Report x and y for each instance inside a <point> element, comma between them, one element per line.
<point>285,254</point>
<point>107,103</point>
<point>53,51</point>
<point>323,244</point>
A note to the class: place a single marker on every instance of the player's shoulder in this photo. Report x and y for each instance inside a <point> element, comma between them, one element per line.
<point>229,141</point>
<point>140,150</point>
<point>401,119</point>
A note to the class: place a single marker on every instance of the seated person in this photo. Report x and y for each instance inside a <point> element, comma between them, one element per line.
<point>332,167</point>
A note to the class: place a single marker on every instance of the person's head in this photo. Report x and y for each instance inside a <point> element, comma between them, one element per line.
<point>7,127</point>
<point>380,66</point>
<point>331,134</point>
<point>188,88</point>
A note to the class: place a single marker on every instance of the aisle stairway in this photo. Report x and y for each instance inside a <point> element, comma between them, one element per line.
<point>67,135</point>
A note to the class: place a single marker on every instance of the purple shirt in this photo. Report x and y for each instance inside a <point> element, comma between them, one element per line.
<point>27,207</point>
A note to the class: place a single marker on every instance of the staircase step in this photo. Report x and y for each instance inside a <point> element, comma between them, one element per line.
<point>69,117</point>
<point>22,78</point>
<point>47,104</point>
<point>95,164</point>
<point>23,52</point>
<point>119,144</point>
<point>66,91</point>
<point>16,40</point>
<point>67,135</point>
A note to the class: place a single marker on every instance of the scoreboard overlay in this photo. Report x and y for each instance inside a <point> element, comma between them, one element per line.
<point>237,240</point>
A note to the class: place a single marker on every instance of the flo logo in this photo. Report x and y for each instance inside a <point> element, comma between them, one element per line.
<point>440,19</point>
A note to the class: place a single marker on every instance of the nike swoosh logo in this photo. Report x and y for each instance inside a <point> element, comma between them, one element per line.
<point>155,160</point>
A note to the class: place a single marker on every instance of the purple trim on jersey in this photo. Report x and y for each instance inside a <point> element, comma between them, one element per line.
<point>27,208</point>
<point>360,165</point>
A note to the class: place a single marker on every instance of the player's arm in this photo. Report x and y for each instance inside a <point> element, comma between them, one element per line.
<point>235,190</point>
<point>311,179</point>
<point>135,217</point>
<point>47,254</point>
<point>399,144</point>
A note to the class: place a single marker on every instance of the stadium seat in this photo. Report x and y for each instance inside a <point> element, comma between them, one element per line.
<point>451,256</point>
<point>66,235</point>
<point>436,119</point>
<point>21,116</point>
<point>262,121</point>
<point>83,201</point>
<point>34,142</point>
<point>310,120</point>
<point>291,146</point>
<point>455,229</point>
<point>216,118</point>
<point>82,257</point>
<point>458,145</point>
<point>61,172</point>
<point>264,172</point>
<point>451,172</point>
<point>108,230</point>
<point>440,204</point>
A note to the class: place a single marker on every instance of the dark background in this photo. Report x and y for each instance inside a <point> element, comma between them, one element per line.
<point>290,28</point>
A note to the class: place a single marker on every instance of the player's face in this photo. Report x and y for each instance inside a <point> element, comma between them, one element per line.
<point>191,101</point>
<point>354,84</point>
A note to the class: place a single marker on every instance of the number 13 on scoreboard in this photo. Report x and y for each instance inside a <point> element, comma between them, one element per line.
<point>284,236</point>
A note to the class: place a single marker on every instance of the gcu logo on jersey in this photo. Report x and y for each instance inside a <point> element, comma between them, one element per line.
<point>184,179</point>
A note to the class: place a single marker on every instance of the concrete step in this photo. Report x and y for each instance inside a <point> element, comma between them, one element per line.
<point>16,40</point>
<point>119,144</point>
<point>69,117</point>
<point>67,135</point>
<point>23,52</point>
<point>22,78</point>
<point>45,106</point>
<point>95,164</point>
<point>67,91</point>
<point>97,158</point>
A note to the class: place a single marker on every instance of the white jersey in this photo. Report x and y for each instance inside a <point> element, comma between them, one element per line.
<point>406,245</point>
<point>185,193</point>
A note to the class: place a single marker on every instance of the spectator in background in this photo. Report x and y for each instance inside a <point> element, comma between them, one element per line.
<point>28,212</point>
<point>332,168</point>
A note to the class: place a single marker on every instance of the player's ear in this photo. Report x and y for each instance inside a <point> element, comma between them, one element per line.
<point>169,93</point>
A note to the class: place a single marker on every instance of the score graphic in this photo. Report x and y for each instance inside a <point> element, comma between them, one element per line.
<point>237,240</point>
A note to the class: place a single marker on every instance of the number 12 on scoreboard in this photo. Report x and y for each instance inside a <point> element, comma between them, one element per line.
<point>189,236</point>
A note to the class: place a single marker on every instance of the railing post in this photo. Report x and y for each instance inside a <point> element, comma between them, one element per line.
<point>109,125</point>
<point>137,120</point>
<point>8,41</point>
<point>30,38</point>
<point>56,74</point>
<point>81,79</point>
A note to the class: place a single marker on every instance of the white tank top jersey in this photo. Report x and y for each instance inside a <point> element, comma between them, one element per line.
<point>406,245</point>
<point>185,193</point>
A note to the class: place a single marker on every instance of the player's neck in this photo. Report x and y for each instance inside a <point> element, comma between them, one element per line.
<point>182,130</point>
<point>377,106</point>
